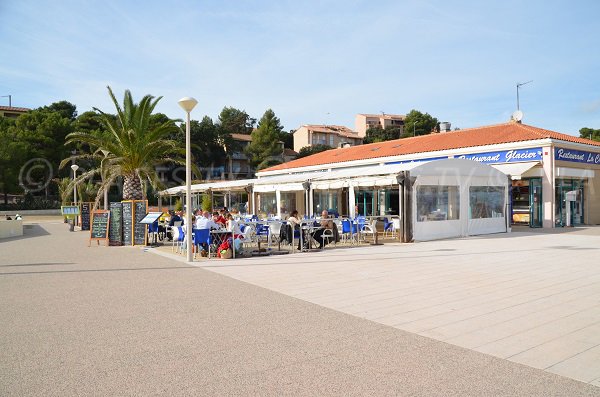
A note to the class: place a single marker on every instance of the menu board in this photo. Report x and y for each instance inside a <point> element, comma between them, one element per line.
<point>85,215</point>
<point>139,229</point>
<point>99,225</point>
<point>127,222</point>
<point>115,230</point>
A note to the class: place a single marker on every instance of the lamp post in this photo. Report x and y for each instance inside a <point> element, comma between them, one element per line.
<point>105,153</point>
<point>188,105</point>
<point>74,167</point>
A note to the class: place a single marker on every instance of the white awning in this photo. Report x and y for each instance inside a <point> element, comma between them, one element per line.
<point>375,175</point>
<point>563,172</point>
<point>225,185</point>
<point>515,170</point>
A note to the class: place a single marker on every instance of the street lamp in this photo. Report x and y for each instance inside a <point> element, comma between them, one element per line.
<point>106,153</point>
<point>74,167</point>
<point>188,105</point>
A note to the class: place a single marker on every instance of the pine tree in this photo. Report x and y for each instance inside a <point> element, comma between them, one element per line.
<point>266,149</point>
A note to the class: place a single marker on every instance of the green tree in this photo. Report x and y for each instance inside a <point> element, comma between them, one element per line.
<point>43,132</point>
<point>235,121</point>
<point>64,108</point>
<point>379,134</point>
<point>287,138</point>
<point>590,133</point>
<point>310,150</point>
<point>417,123</point>
<point>209,143</point>
<point>12,154</point>
<point>135,146</point>
<point>265,149</point>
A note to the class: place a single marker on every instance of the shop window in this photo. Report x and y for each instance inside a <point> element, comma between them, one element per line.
<point>325,200</point>
<point>268,204</point>
<point>486,202</point>
<point>438,203</point>
<point>288,203</point>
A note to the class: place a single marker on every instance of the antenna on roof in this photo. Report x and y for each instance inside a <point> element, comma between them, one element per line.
<point>518,86</point>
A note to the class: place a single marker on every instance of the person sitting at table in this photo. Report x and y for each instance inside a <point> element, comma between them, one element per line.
<point>175,217</point>
<point>205,222</point>
<point>326,224</point>
<point>233,226</point>
<point>218,218</point>
<point>293,223</point>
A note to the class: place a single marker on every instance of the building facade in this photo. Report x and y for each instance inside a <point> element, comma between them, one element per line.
<point>12,112</point>
<point>330,135</point>
<point>554,176</point>
<point>363,122</point>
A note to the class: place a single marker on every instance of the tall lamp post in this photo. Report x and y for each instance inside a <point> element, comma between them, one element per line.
<point>74,167</point>
<point>105,153</point>
<point>188,105</point>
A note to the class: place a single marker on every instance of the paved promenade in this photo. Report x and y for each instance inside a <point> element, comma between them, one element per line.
<point>529,297</point>
<point>122,321</point>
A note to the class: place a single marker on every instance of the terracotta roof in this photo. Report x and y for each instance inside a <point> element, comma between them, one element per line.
<point>289,152</point>
<point>332,129</point>
<point>242,137</point>
<point>14,109</point>
<point>480,136</point>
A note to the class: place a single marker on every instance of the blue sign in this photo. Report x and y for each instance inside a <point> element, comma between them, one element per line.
<point>505,156</point>
<point>576,156</point>
<point>417,160</point>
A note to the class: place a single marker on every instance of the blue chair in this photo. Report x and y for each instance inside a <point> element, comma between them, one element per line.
<point>348,230</point>
<point>178,238</point>
<point>201,236</point>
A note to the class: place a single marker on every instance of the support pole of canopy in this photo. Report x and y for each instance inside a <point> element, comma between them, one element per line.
<point>310,202</point>
<point>351,201</point>
<point>278,201</point>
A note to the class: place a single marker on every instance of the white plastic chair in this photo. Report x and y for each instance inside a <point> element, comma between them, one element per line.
<point>370,229</point>
<point>274,232</point>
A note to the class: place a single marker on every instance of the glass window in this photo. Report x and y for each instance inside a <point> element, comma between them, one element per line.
<point>268,204</point>
<point>288,203</point>
<point>486,202</point>
<point>325,200</point>
<point>438,203</point>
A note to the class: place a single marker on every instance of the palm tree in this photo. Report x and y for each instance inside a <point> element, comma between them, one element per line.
<point>134,146</point>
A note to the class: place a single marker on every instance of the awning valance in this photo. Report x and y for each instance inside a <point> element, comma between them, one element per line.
<point>515,170</point>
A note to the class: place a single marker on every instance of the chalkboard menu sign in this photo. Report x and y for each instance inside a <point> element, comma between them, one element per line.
<point>139,229</point>
<point>99,225</point>
<point>85,215</point>
<point>115,230</point>
<point>127,222</point>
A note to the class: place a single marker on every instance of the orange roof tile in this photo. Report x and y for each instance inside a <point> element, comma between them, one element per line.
<point>470,137</point>
<point>14,109</point>
<point>242,137</point>
<point>332,129</point>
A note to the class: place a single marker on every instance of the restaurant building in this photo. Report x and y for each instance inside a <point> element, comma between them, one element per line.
<point>551,178</point>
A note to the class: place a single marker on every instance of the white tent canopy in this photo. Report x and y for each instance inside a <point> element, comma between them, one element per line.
<point>458,182</point>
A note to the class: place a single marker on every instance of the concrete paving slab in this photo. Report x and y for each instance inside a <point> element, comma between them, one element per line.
<point>504,295</point>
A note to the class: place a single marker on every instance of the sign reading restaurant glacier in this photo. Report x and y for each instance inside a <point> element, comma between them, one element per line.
<point>506,156</point>
<point>577,156</point>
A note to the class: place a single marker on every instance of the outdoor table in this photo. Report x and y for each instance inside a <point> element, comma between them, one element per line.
<point>307,230</point>
<point>219,236</point>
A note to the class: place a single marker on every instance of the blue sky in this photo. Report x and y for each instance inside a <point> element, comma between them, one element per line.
<point>312,62</point>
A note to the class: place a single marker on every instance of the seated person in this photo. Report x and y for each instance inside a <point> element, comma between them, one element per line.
<point>175,217</point>
<point>233,226</point>
<point>218,218</point>
<point>293,223</point>
<point>326,224</point>
<point>205,222</point>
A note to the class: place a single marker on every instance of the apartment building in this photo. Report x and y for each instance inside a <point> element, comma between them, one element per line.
<point>331,135</point>
<point>365,121</point>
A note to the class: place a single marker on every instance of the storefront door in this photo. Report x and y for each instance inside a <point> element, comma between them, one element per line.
<point>562,187</point>
<point>535,202</point>
<point>367,202</point>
